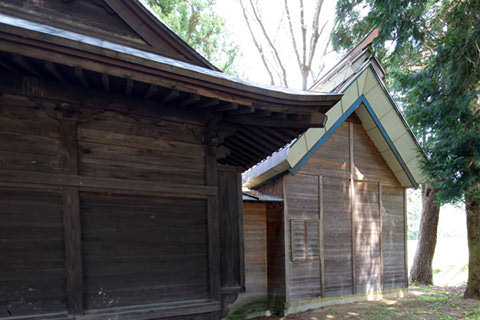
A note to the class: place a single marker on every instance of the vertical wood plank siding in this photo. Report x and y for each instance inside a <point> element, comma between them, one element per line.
<point>303,206</point>
<point>231,227</point>
<point>345,180</point>
<point>276,256</point>
<point>143,250</point>
<point>367,237</point>
<point>394,250</point>
<point>255,231</point>
<point>337,236</point>
<point>32,277</point>
<point>137,248</point>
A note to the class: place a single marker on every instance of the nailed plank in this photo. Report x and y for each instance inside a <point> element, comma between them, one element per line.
<point>316,120</point>
<point>73,250</point>
<point>107,184</point>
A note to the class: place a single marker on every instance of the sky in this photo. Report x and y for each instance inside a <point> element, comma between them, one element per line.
<point>249,64</point>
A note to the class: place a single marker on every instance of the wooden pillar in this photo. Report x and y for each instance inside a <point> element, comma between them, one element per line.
<point>71,221</point>
<point>380,236</point>
<point>352,204</point>
<point>212,208</point>
<point>405,235</point>
<point>320,235</point>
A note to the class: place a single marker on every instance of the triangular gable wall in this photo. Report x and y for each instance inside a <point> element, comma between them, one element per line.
<point>368,98</point>
<point>125,22</point>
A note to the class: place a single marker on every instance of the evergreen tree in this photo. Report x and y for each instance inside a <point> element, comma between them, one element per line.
<point>432,52</point>
<point>196,22</point>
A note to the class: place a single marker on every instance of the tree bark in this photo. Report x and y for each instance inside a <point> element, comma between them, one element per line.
<point>473,234</point>
<point>427,238</point>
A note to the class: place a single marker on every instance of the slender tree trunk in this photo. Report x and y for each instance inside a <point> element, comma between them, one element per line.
<point>473,233</point>
<point>427,238</point>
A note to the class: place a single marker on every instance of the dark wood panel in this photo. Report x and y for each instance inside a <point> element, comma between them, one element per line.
<point>231,228</point>
<point>143,250</point>
<point>32,272</point>
<point>255,235</point>
<point>337,235</point>
<point>276,256</point>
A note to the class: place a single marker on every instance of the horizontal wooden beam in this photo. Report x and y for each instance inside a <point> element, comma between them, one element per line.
<point>243,110</point>
<point>95,184</point>
<point>190,100</point>
<point>55,92</point>
<point>207,104</point>
<point>316,120</point>
<point>227,107</point>
<point>160,311</point>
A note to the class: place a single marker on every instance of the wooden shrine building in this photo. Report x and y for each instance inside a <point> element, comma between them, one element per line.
<point>335,230</point>
<point>120,157</point>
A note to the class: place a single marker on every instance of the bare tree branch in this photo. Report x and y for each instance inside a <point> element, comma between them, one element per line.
<point>292,34</point>
<point>259,47</point>
<point>270,43</point>
<point>315,33</point>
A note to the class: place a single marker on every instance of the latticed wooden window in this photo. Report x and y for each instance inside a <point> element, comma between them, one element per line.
<point>304,239</point>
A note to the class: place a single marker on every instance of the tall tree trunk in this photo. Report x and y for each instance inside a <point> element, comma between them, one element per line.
<point>427,238</point>
<point>473,233</point>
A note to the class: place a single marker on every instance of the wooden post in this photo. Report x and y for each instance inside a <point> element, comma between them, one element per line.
<point>71,221</point>
<point>352,204</point>
<point>405,234</point>
<point>380,204</point>
<point>212,209</point>
<point>287,238</point>
<point>320,235</point>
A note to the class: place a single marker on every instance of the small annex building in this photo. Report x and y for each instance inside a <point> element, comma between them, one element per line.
<point>337,229</point>
<point>120,157</point>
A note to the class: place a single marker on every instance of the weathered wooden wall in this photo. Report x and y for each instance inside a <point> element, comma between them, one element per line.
<point>346,188</point>
<point>255,243</point>
<point>276,256</point>
<point>88,221</point>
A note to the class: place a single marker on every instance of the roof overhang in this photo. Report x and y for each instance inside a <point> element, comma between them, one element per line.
<point>259,119</point>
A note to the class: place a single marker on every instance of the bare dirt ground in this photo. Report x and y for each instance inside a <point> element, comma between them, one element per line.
<point>439,303</point>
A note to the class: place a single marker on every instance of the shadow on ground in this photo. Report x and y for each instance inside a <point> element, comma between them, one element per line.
<point>436,303</point>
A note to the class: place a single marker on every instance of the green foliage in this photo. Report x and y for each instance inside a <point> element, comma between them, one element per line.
<point>432,53</point>
<point>414,206</point>
<point>196,22</point>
